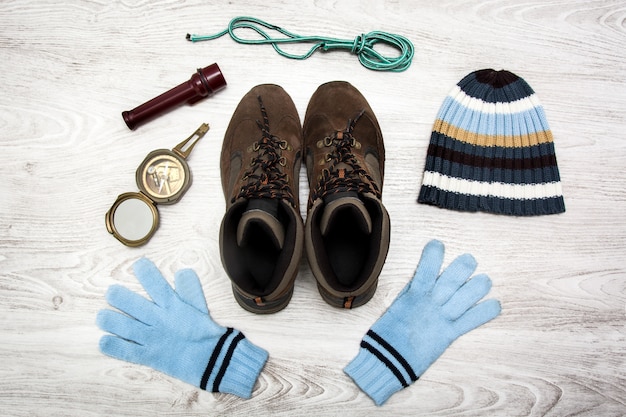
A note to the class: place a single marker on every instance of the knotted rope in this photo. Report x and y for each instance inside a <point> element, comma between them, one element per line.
<point>362,45</point>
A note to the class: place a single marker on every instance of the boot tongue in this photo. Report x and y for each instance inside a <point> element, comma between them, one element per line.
<point>347,202</point>
<point>261,215</point>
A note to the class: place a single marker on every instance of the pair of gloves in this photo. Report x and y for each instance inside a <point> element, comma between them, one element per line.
<point>174,333</point>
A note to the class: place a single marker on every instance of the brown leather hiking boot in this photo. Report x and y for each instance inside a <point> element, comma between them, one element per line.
<point>261,236</point>
<point>347,226</point>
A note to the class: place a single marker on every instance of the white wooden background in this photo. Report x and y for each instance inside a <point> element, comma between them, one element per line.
<point>67,71</point>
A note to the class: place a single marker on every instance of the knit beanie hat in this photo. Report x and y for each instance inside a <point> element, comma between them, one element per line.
<point>491,150</point>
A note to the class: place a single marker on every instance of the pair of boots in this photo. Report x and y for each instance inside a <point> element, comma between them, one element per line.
<point>262,235</point>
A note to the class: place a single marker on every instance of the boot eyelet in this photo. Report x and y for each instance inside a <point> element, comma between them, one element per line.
<point>328,141</point>
<point>282,161</point>
<point>256,146</point>
<point>283,144</point>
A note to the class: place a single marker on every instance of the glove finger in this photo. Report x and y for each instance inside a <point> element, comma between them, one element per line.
<point>453,277</point>
<point>428,268</point>
<point>132,304</point>
<point>189,289</point>
<point>122,349</point>
<point>476,316</point>
<point>121,325</point>
<point>469,294</point>
<point>153,282</point>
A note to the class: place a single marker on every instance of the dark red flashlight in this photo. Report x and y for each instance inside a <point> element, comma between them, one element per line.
<point>204,83</point>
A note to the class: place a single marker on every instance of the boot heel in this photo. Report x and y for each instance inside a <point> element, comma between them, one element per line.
<point>348,302</point>
<point>260,306</point>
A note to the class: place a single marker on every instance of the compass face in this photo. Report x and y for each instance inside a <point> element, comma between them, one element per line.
<point>163,176</point>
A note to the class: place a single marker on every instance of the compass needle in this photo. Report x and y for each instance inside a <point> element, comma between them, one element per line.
<point>163,178</point>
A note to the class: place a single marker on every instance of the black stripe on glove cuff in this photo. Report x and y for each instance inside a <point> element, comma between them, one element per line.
<point>225,362</point>
<point>384,359</point>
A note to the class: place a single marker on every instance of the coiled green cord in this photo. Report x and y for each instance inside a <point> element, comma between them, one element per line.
<point>362,45</point>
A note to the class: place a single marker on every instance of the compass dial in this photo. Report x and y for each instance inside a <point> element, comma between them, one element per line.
<point>163,176</point>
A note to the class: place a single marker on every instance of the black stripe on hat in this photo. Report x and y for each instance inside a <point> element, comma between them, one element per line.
<point>489,162</point>
<point>213,359</point>
<point>394,353</point>
<point>539,167</point>
<point>226,361</point>
<point>495,86</point>
<point>497,79</point>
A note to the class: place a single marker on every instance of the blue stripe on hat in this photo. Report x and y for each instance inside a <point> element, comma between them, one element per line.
<point>522,123</point>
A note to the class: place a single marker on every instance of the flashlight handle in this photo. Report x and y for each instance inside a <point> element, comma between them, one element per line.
<point>204,83</point>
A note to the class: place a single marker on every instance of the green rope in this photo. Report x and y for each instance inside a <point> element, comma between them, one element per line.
<point>362,45</point>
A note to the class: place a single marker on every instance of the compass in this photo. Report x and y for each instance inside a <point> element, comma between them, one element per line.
<point>163,178</point>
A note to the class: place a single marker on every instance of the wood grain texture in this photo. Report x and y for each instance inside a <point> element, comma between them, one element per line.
<point>68,69</point>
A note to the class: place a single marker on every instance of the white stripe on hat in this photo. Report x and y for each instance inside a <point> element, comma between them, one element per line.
<point>476,104</point>
<point>493,189</point>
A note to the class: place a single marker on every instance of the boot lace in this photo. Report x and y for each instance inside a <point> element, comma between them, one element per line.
<point>344,173</point>
<point>265,177</point>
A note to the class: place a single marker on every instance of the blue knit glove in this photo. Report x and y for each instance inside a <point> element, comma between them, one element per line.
<point>174,334</point>
<point>428,315</point>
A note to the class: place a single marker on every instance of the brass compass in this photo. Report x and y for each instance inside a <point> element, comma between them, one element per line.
<point>163,177</point>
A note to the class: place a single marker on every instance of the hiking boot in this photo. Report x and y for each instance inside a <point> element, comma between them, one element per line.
<point>347,226</point>
<point>261,235</point>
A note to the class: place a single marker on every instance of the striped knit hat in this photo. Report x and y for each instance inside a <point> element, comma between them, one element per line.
<point>491,150</point>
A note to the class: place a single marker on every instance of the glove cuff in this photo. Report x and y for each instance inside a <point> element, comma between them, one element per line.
<point>240,363</point>
<point>379,370</point>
